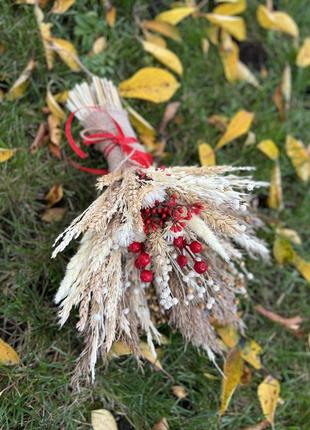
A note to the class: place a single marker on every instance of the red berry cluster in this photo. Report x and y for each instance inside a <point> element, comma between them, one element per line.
<point>168,210</point>
<point>195,247</point>
<point>142,261</point>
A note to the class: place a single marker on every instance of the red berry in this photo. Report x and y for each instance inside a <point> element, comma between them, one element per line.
<point>195,247</point>
<point>146,276</point>
<point>135,247</point>
<point>143,260</point>
<point>182,260</point>
<point>179,242</point>
<point>200,267</point>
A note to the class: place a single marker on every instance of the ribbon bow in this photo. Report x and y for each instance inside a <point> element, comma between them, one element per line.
<point>144,159</point>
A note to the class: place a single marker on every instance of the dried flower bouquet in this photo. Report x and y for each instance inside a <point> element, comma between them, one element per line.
<point>181,232</point>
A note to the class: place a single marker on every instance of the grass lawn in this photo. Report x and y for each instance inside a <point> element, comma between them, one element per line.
<point>37,395</point>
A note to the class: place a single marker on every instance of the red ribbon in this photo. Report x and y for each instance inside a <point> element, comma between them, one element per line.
<point>143,158</point>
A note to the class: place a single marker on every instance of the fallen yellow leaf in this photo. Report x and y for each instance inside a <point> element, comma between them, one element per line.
<point>269,148</point>
<point>165,56</point>
<point>45,31</point>
<point>98,46</point>
<point>176,15</point>
<point>276,20</point>
<point>61,6</point>
<point>229,335</point>
<point>206,154</point>
<point>303,57</point>
<point>250,352</point>
<point>54,129</point>
<point>282,250</point>
<point>232,8</point>
<point>275,190</point>
<point>150,83</point>
<point>234,25</point>
<point>61,97</point>
<point>268,393</point>
<point>54,106</point>
<point>120,348</point>
<point>8,356</point>
<point>179,391</point>
<point>290,234</point>
<point>140,124</point>
<point>163,28</point>
<point>233,368</point>
<point>286,86</point>
<point>111,16</point>
<point>214,33</point>
<point>229,53</point>
<point>19,86</point>
<point>54,195</point>
<point>299,156</point>
<point>67,53</point>
<point>155,39</point>
<point>102,419</point>
<point>302,266</point>
<point>205,45</point>
<point>239,125</point>
<point>6,154</point>
<point>243,73</point>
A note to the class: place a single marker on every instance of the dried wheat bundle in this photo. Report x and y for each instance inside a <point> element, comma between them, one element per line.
<point>166,243</point>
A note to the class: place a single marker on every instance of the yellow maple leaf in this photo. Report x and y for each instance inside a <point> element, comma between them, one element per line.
<point>276,20</point>
<point>176,15</point>
<point>268,393</point>
<point>303,57</point>
<point>165,56</point>
<point>239,125</point>
<point>206,154</point>
<point>150,83</point>
<point>233,368</point>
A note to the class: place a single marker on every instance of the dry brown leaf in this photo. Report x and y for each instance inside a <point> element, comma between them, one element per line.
<point>219,121</point>
<point>66,52</point>
<point>303,57</point>
<point>292,323</point>
<point>246,376</point>
<point>179,391</point>
<point>53,106</point>
<point>268,393</point>
<point>279,102</point>
<point>54,195</point>
<point>275,199</point>
<point>169,114</point>
<point>206,154</point>
<point>19,87</point>
<point>234,25</point>
<point>232,8</point>
<point>61,6</point>
<point>111,16</point>
<point>276,20</point>
<point>260,426</point>
<point>102,419</point>
<point>269,148</point>
<point>239,125</point>
<point>55,151</point>
<point>299,156</point>
<point>162,424</point>
<point>53,214</point>
<point>8,356</point>
<point>176,15</point>
<point>165,56</point>
<point>40,138</point>
<point>233,368</point>
<point>150,83</point>
<point>98,46</point>
<point>6,154</point>
<point>163,28</point>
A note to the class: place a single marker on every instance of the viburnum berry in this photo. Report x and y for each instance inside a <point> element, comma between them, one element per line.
<point>182,260</point>
<point>179,242</point>
<point>200,267</point>
<point>146,276</point>
<point>143,260</point>
<point>195,247</point>
<point>135,247</point>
